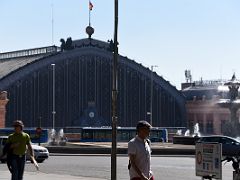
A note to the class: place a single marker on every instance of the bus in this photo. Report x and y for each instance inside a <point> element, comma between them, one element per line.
<point>124,134</point>
<point>35,137</point>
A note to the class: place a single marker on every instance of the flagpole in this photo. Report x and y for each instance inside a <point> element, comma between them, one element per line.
<point>89,14</point>
<point>52,24</point>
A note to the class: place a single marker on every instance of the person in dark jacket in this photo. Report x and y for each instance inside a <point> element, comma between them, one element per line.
<point>7,152</point>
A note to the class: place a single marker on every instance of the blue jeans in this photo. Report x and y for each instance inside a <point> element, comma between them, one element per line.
<point>18,164</point>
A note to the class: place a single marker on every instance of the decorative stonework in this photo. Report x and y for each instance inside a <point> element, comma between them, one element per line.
<point>3,103</point>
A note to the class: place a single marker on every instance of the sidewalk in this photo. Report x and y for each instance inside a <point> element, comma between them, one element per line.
<point>5,175</point>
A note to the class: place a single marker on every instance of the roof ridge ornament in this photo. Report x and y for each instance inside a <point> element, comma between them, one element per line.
<point>89,31</point>
<point>66,45</point>
<point>233,77</point>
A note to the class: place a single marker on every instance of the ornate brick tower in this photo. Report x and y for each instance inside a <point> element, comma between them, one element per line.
<point>3,102</point>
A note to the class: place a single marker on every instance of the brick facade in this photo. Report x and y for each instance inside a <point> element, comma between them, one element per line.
<point>3,103</point>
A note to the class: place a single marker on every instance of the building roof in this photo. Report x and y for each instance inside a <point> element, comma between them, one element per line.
<point>22,61</point>
<point>200,92</point>
<point>10,65</point>
<point>208,89</point>
<point>12,61</point>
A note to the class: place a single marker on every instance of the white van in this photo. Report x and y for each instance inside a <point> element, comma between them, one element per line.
<point>40,153</point>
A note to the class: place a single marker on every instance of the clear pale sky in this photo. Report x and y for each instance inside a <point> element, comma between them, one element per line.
<point>175,35</point>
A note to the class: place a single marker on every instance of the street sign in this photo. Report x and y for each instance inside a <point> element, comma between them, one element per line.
<point>208,160</point>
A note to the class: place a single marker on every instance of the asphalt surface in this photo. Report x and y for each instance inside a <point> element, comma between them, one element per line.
<point>5,175</point>
<point>97,148</point>
<point>99,167</point>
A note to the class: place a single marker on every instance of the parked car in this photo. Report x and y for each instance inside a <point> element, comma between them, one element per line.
<point>40,153</point>
<point>230,146</point>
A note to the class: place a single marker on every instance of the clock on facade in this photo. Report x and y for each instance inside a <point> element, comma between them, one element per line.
<point>91,114</point>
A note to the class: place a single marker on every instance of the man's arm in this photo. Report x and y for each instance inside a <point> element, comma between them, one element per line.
<point>134,165</point>
<point>30,150</point>
<point>32,156</point>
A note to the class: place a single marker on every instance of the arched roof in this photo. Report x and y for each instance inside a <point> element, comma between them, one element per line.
<point>16,68</point>
<point>12,61</point>
<point>87,50</point>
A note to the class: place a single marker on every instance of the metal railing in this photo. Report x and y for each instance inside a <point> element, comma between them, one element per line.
<point>29,52</point>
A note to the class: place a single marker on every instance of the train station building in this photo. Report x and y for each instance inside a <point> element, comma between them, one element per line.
<point>73,85</point>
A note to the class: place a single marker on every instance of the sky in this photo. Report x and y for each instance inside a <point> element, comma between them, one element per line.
<point>175,35</point>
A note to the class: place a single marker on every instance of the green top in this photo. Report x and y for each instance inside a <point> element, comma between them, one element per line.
<point>22,138</point>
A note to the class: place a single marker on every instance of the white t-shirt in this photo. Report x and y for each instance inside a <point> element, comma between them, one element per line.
<point>141,149</point>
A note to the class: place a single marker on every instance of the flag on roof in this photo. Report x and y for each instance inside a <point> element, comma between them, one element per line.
<point>90,6</point>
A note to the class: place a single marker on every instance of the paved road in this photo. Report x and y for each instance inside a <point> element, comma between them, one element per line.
<point>165,168</point>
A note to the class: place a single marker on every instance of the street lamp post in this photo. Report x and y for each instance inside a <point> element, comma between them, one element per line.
<point>53,96</point>
<point>151,98</point>
<point>114,99</point>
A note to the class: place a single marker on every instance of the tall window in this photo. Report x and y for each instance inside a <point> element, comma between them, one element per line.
<point>223,122</point>
<point>209,127</point>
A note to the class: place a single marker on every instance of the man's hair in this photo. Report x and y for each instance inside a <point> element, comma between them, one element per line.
<point>18,123</point>
<point>141,124</point>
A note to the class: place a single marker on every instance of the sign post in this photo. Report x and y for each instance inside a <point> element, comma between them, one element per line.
<point>208,160</point>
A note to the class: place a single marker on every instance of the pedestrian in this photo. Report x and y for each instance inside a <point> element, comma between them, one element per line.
<point>7,152</point>
<point>19,141</point>
<point>139,152</point>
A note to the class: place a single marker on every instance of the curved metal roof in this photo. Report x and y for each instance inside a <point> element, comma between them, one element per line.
<point>14,69</point>
<point>80,63</point>
<point>11,61</point>
<point>10,65</point>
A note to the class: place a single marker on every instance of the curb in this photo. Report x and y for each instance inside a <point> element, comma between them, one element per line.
<point>107,150</point>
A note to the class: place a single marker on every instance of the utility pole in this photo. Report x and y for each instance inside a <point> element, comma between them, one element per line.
<point>151,103</point>
<point>114,99</point>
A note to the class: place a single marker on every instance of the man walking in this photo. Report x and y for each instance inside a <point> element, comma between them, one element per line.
<point>139,152</point>
<point>18,142</point>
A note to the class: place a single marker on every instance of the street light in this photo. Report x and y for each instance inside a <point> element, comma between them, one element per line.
<point>114,98</point>
<point>53,96</point>
<point>151,103</point>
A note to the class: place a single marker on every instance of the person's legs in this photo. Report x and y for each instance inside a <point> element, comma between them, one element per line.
<point>9,161</point>
<point>14,166</point>
<point>21,165</point>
